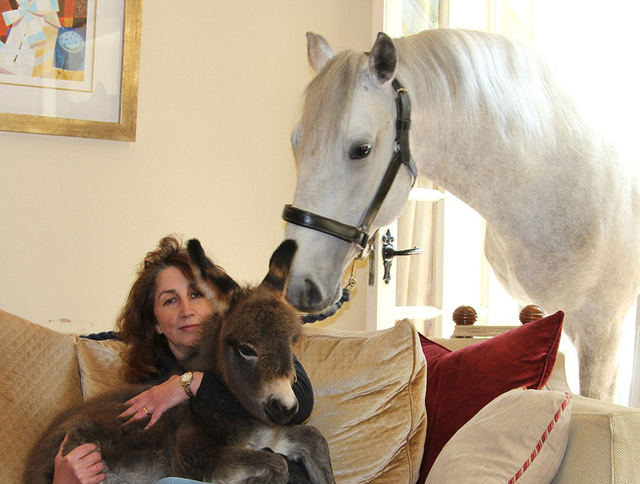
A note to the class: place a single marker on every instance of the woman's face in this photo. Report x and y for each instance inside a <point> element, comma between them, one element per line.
<point>180,309</point>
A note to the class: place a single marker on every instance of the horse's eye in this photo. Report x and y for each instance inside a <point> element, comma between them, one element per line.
<point>247,351</point>
<point>360,152</point>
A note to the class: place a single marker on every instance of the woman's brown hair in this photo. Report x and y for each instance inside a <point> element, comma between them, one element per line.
<point>137,321</point>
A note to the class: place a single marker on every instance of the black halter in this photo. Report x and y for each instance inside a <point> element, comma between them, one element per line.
<point>401,156</point>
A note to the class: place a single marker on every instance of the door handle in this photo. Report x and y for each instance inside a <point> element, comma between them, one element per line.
<point>389,252</point>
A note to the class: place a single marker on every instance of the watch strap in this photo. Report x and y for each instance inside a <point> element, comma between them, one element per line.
<point>186,383</point>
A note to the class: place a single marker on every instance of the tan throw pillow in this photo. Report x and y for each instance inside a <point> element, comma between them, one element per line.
<point>100,366</point>
<point>369,400</point>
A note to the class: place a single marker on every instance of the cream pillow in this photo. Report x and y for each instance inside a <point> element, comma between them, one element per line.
<point>369,401</point>
<point>100,366</point>
<point>519,436</point>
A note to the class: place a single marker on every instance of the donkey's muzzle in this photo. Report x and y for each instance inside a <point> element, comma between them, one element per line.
<point>279,412</point>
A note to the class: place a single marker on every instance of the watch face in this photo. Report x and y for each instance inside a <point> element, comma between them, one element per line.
<point>186,378</point>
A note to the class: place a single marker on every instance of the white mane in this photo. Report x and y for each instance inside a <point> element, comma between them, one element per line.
<point>474,77</point>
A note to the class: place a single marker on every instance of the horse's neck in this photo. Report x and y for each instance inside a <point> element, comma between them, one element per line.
<point>462,138</point>
<point>462,159</point>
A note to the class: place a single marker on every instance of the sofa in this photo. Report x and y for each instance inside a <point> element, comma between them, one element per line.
<point>370,390</point>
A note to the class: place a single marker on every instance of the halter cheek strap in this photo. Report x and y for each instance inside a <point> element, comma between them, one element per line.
<point>401,156</point>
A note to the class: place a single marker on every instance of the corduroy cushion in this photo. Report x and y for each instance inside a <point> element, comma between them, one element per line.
<point>462,382</point>
<point>369,389</point>
<point>38,379</point>
<point>100,366</point>
<point>519,436</point>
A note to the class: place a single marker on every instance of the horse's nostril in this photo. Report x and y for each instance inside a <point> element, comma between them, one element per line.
<point>313,294</point>
<point>280,413</point>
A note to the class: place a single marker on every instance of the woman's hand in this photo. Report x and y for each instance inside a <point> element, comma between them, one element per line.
<point>158,399</point>
<point>83,465</point>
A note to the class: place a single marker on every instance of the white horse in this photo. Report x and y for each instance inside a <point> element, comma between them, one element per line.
<point>490,125</point>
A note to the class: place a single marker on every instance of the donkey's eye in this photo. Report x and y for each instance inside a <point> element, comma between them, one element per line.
<point>247,351</point>
<point>360,152</point>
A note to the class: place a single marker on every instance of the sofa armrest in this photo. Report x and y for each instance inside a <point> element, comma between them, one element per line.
<point>603,444</point>
<point>39,378</point>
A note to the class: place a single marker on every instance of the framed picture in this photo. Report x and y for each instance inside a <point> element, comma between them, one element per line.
<point>70,67</point>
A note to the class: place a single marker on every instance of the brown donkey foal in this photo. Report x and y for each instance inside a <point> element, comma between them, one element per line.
<point>247,344</point>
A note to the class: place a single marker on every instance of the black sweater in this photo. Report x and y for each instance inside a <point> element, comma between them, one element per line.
<point>213,394</point>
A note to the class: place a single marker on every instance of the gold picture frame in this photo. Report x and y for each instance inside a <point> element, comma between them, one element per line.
<point>122,129</point>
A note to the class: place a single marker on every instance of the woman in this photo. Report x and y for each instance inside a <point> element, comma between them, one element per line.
<point>160,323</point>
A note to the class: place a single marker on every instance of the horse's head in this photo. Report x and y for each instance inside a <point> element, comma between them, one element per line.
<point>343,145</point>
<point>252,334</point>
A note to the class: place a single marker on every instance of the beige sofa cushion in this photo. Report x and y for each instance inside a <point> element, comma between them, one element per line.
<point>100,366</point>
<point>38,379</point>
<point>370,390</point>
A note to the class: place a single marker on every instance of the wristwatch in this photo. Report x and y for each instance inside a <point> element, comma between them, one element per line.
<point>185,379</point>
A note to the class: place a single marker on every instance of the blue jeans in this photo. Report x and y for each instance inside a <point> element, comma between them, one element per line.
<point>176,480</point>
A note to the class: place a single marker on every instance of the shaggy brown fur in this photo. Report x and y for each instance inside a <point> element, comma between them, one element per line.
<point>247,343</point>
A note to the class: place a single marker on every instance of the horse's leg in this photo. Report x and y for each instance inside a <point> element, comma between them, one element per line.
<point>306,444</point>
<point>594,307</point>
<point>596,335</point>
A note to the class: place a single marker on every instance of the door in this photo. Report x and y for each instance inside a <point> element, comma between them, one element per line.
<point>409,285</point>
<point>413,286</point>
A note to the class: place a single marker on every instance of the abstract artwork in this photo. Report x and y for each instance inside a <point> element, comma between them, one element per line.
<point>69,67</point>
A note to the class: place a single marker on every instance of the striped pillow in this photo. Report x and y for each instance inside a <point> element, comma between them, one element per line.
<point>520,437</point>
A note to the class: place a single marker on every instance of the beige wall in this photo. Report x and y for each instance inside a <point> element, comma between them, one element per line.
<point>220,83</point>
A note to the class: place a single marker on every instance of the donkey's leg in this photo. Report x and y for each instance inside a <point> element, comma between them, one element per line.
<point>306,444</point>
<point>40,462</point>
<point>244,466</point>
<point>195,456</point>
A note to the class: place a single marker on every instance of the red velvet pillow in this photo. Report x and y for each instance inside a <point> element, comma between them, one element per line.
<point>460,383</point>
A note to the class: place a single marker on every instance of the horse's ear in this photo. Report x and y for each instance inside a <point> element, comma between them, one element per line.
<point>383,59</point>
<point>211,278</point>
<point>280,266</point>
<point>319,51</point>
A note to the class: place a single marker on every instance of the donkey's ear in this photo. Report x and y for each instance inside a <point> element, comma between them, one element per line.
<point>319,51</point>
<point>212,279</point>
<point>280,266</point>
<point>383,59</point>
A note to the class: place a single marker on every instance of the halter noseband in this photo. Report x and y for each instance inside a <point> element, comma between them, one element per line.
<point>401,156</point>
